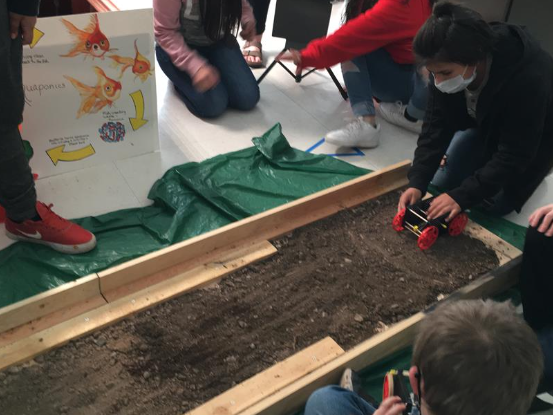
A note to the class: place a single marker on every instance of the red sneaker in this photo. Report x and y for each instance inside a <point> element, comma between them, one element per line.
<point>53,231</point>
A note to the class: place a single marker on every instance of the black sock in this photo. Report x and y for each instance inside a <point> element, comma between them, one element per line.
<point>409,117</point>
<point>35,218</point>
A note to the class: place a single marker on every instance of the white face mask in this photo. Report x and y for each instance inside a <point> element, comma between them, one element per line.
<point>457,84</point>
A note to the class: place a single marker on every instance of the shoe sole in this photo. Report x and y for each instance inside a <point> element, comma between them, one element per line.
<point>340,144</point>
<point>64,249</point>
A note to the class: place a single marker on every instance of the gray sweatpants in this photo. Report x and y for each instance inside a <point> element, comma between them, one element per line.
<point>17,188</point>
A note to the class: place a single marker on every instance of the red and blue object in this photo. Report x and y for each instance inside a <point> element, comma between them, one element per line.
<point>396,385</point>
<point>414,218</point>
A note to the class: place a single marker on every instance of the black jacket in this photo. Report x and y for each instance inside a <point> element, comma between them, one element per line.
<point>25,7</point>
<point>514,118</point>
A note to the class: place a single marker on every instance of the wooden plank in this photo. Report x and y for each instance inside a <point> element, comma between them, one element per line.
<point>271,380</point>
<point>263,226</point>
<point>292,398</point>
<point>59,334</point>
<point>504,250</point>
<point>84,290</point>
<point>226,263</point>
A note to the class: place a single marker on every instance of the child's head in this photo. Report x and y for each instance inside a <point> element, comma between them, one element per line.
<point>453,39</point>
<point>476,357</point>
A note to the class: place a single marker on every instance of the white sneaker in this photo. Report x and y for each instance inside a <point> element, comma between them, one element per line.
<point>394,113</point>
<point>346,382</point>
<point>359,133</point>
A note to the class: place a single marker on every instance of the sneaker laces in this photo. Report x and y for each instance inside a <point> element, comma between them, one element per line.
<point>398,109</point>
<point>53,220</point>
<point>356,125</point>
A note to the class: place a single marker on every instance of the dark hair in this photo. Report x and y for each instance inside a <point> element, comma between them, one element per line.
<point>356,7</point>
<point>477,357</point>
<point>220,17</point>
<point>454,33</point>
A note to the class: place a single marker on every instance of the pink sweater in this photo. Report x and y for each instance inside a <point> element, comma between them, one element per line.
<point>167,30</point>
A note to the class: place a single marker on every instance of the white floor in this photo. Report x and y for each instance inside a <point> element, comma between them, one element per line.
<point>306,111</point>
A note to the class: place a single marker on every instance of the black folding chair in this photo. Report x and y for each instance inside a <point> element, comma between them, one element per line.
<point>299,22</point>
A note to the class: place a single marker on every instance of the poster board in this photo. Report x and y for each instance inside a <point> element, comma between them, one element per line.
<point>90,90</point>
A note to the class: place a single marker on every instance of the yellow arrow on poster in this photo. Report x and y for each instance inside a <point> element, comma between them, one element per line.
<point>57,154</point>
<point>139,121</point>
<point>37,35</point>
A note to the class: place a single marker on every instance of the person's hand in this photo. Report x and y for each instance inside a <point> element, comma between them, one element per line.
<point>545,216</point>
<point>443,205</point>
<point>22,26</point>
<point>292,55</point>
<point>206,78</point>
<point>391,406</point>
<point>408,198</point>
<point>248,31</point>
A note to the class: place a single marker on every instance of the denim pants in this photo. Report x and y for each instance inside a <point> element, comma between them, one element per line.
<point>17,189</point>
<point>377,75</point>
<point>334,400</point>
<point>545,337</point>
<point>238,88</point>
<point>463,158</point>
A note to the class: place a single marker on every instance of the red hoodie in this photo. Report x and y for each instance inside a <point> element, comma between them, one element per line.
<point>390,24</point>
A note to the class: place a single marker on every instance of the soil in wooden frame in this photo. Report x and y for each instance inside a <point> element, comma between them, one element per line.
<point>347,276</point>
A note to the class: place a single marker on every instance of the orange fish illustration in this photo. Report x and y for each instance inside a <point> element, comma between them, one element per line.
<point>140,65</point>
<point>89,42</point>
<point>94,98</point>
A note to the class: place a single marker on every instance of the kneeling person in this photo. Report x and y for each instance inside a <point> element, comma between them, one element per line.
<point>470,357</point>
<point>487,138</point>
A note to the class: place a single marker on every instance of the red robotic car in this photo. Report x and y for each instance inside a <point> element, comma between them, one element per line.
<point>414,218</point>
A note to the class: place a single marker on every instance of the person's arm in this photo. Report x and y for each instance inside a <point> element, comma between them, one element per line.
<point>520,137</point>
<point>168,36</point>
<point>368,32</point>
<point>437,133</point>
<point>24,7</point>
<point>247,12</point>
<point>248,21</point>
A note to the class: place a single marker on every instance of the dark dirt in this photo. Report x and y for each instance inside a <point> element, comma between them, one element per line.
<point>347,277</point>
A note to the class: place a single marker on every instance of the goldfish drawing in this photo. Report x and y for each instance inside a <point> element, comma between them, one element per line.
<point>140,65</point>
<point>89,42</point>
<point>94,98</point>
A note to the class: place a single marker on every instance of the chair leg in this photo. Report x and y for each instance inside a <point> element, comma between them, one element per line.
<point>337,83</point>
<point>269,69</point>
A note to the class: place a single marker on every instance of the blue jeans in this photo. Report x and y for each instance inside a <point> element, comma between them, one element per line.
<point>333,400</point>
<point>465,155</point>
<point>238,88</point>
<point>545,337</point>
<point>377,75</point>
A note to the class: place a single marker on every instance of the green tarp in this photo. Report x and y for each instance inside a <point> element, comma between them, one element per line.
<point>188,200</point>
<point>193,199</point>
